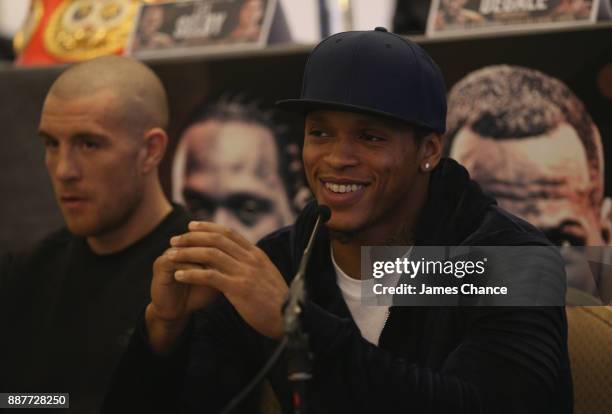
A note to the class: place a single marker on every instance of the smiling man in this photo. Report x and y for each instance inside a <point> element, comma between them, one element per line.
<point>375,109</point>
<point>70,302</point>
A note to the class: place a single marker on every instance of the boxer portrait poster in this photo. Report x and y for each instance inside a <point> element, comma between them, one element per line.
<point>456,17</point>
<point>180,27</point>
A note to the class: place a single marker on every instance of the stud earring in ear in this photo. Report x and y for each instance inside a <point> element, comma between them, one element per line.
<point>426,166</point>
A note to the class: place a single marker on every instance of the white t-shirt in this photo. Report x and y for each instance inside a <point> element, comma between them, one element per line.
<point>369,319</point>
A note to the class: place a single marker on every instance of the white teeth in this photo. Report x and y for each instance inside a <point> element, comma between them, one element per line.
<point>343,188</point>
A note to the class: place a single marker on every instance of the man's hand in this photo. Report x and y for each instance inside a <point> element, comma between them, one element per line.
<point>225,261</point>
<point>172,303</point>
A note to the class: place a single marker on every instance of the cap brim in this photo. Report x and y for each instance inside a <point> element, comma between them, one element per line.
<point>304,106</point>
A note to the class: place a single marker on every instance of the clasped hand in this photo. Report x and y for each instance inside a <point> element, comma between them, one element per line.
<point>212,259</point>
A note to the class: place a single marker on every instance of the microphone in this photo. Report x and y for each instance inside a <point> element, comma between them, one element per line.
<point>297,293</point>
<point>299,357</point>
<point>296,342</point>
<point>324,213</point>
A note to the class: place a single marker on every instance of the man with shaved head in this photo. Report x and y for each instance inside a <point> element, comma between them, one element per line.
<point>71,301</point>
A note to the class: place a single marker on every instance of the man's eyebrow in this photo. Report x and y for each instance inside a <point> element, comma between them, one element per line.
<point>316,118</point>
<point>194,194</point>
<point>571,222</point>
<point>232,199</point>
<point>78,135</point>
<point>45,135</point>
<point>81,135</point>
<point>243,196</point>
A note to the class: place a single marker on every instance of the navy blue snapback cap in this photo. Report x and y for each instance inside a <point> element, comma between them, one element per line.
<point>374,72</point>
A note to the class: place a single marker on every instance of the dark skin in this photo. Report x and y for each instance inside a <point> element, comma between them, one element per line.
<point>382,157</point>
<point>370,171</point>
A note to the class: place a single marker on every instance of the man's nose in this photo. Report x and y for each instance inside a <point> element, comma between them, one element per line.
<point>67,168</point>
<point>342,153</point>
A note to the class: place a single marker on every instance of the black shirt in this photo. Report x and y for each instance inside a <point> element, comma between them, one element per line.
<point>68,313</point>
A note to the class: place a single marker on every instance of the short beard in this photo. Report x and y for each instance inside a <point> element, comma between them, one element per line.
<point>344,237</point>
<point>402,237</point>
<point>118,219</point>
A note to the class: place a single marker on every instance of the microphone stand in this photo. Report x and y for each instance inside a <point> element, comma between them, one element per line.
<point>299,357</point>
<point>299,361</point>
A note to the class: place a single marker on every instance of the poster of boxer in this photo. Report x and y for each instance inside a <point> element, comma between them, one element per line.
<point>174,28</point>
<point>530,142</point>
<point>235,165</point>
<point>457,17</point>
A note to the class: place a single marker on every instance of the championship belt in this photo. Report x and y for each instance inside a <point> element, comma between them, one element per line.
<point>62,31</point>
<point>25,33</point>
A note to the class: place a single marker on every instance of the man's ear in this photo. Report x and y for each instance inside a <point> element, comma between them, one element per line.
<point>154,148</point>
<point>431,151</point>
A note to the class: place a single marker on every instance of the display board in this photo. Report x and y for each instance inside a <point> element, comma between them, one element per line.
<point>179,27</point>
<point>581,59</point>
<point>460,17</point>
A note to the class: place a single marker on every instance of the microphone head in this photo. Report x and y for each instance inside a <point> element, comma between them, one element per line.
<point>324,212</point>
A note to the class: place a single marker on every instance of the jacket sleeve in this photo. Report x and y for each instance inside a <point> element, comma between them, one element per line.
<point>211,363</point>
<point>216,357</point>
<point>507,362</point>
<point>144,381</point>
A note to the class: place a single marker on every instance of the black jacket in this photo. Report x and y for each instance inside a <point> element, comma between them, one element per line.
<point>67,314</point>
<point>429,360</point>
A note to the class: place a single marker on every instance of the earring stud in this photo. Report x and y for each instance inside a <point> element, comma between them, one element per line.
<point>427,166</point>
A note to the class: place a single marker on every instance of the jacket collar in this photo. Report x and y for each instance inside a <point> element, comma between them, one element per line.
<point>455,206</point>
